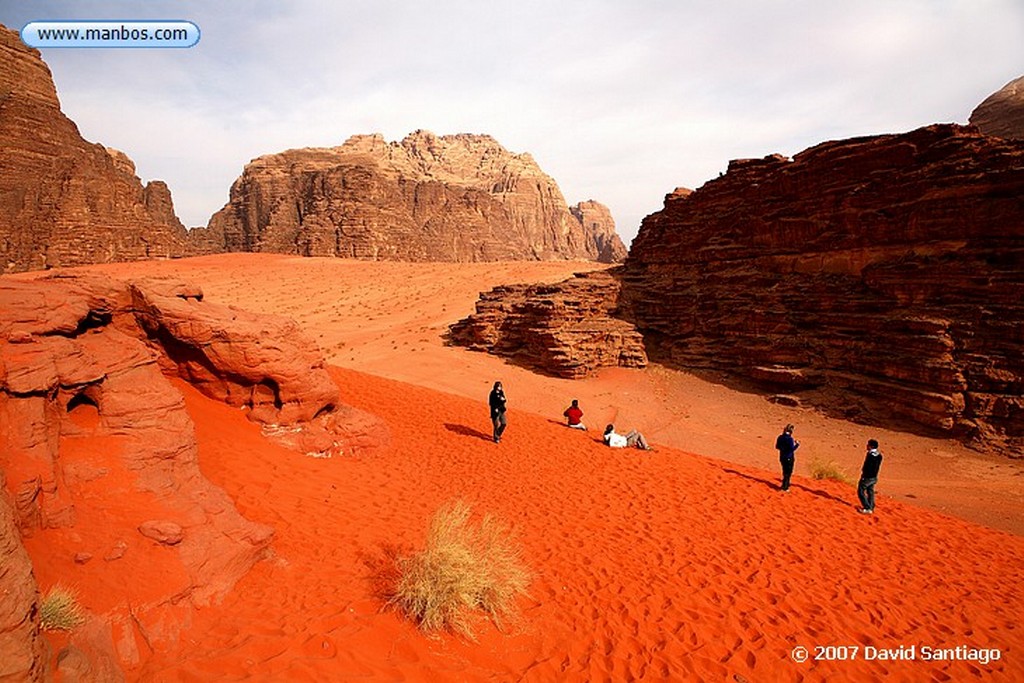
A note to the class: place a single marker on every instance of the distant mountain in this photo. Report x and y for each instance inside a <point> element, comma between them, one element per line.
<point>65,201</point>
<point>427,198</point>
<point>1002,113</point>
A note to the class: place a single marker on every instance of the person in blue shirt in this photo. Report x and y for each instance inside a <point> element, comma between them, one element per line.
<point>787,446</point>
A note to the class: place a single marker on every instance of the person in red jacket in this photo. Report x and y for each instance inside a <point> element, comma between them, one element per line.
<point>573,415</point>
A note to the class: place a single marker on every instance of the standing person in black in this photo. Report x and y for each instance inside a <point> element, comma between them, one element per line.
<point>497,402</point>
<point>787,446</point>
<point>868,478</point>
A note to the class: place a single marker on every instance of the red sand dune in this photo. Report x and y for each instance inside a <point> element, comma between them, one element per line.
<point>663,566</point>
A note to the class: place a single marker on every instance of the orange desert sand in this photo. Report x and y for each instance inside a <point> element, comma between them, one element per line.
<point>686,563</point>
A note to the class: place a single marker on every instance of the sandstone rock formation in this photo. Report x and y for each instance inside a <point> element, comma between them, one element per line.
<point>564,329</point>
<point>64,201</point>
<point>71,345</point>
<point>1002,113</point>
<point>597,221</point>
<point>884,274</point>
<point>878,278</point>
<point>22,649</point>
<point>426,198</point>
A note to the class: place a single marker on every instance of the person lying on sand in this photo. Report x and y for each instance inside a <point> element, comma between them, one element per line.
<point>573,414</point>
<point>634,438</point>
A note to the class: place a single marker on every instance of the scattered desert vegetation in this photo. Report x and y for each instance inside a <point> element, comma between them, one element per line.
<point>828,470</point>
<point>59,609</point>
<point>466,565</point>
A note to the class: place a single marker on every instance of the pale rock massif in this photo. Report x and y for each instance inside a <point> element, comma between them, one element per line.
<point>566,329</point>
<point>1002,113</point>
<point>80,346</point>
<point>427,198</point>
<point>597,221</point>
<point>65,201</point>
<point>879,278</point>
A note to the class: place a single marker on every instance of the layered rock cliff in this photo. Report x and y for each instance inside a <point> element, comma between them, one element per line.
<point>87,360</point>
<point>426,198</point>
<point>880,278</point>
<point>65,201</point>
<point>1002,113</point>
<point>885,274</point>
<point>566,329</point>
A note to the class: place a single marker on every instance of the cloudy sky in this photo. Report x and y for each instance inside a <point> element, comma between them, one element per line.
<point>619,100</point>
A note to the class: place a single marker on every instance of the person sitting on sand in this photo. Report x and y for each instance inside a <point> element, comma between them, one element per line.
<point>573,414</point>
<point>787,445</point>
<point>868,478</point>
<point>634,438</point>
<point>497,403</point>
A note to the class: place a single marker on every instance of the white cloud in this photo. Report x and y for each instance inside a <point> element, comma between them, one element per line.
<point>618,101</point>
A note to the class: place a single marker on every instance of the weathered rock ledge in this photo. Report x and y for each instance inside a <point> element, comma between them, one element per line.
<point>564,329</point>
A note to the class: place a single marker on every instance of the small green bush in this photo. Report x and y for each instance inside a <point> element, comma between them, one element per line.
<point>59,609</point>
<point>463,567</point>
<point>828,470</point>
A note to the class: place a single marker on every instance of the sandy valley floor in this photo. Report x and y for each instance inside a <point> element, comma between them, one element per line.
<point>682,564</point>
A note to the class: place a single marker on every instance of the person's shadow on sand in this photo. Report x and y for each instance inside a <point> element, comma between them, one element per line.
<point>775,487</point>
<point>463,430</point>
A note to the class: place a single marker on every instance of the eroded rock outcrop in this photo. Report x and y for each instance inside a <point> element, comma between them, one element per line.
<point>565,329</point>
<point>74,345</point>
<point>22,648</point>
<point>65,201</point>
<point>882,275</point>
<point>878,278</point>
<point>426,198</point>
<point>1002,113</point>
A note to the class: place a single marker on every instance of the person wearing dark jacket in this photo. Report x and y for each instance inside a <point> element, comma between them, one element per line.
<point>787,445</point>
<point>868,478</point>
<point>497,402</point>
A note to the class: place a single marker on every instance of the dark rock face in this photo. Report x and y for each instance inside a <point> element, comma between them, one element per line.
<point>880,279</point>
<point>64,201</point>
<point>885,275</point>
<point>427,198</point>
<point>564,329</point>
<point>1002,113</point>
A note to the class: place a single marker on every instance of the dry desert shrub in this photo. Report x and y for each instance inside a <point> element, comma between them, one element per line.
<point>465,566</point>
<point>59,609</point>
<point>828,470</point>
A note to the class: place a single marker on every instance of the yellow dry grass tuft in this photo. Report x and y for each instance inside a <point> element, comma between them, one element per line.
<point>59,609</point>
<point>821,470</point>
<point>464,566</point>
